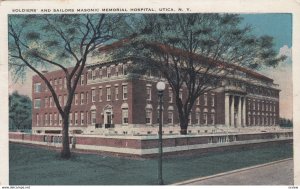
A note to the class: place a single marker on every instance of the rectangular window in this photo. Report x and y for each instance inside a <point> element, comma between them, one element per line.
<point>124,116</point>
<point>93,116</point>
<point>60,100</point>
<point>37,119</point>
<point>60,119</point>
<point>258,105</point>
<point>46,119</point>
<point>50,119</point>
<point>60,83</point>
<point>93,95</point>
<point>124,70</point>
<point>37,87</point>
<point>100,73</point>
<point>46,102</point>
<point>212,119</point>
<point>262,106</point>
<point>71,118</point>
<point>253,105</point>
<point>93,74</point>
<point>87,97</point>
<point>87,118</point>
<point>190,119</point>
<point>198,101</point>
<point>76,99</point>
<point>205,118</point>
<point>205,99</point>
<point>55,118</point>
<point>108,94</point>
<point>117,93</point>
<point>37,103</point>
<point>148,93</point>
<point>125,92</point>
<point>117,71</point>
<point>108,72</point>
<point>212,100</point>
<point>65,100</point>
<point>100,94</point>
<point>198,118</point>
<point>81,118</point>
<point>81,98</point>
<point>170,118</point>
<point>65,83</point>
<point>76,118</point>
<point>170,96</point>
<point>148,117</point>
<point>82,79</point>
<point>50,101</point>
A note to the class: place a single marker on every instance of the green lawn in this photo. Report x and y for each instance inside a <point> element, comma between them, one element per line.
<point>38,166</point>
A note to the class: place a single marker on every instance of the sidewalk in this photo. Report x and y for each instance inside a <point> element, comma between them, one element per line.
<point>273,173</point>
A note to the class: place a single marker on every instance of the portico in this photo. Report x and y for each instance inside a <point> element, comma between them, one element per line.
<point>235,110</point>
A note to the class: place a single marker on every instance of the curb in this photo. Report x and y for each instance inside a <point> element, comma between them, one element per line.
<point>229,172</point>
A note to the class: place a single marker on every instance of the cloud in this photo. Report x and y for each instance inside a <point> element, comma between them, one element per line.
<point>282,75</point>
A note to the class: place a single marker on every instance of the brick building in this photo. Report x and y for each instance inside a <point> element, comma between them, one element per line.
<point>108,100</point>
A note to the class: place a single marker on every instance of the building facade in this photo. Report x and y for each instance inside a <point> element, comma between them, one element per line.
<point>109,100</point>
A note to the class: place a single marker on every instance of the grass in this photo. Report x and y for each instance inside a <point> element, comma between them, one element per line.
<point>38,166</point>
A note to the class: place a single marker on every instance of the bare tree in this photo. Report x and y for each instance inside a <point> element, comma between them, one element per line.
<point>39,42</point>
<point>197,52</point>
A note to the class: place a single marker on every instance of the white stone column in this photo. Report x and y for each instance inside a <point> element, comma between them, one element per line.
<point>227,105</point>
<point>244,112</point>
<point>232,110</point>
<point>239,116</point>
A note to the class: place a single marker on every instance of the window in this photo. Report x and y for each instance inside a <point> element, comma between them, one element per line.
<point>93,74</point>
<point>87,118</point>
<point>117,93</point>
<point>170,96</point>
<point>76,118</point>
<point>37,103</point>
<point>81,98</point>
<point>100,94</point>
<point>65,83</point>
<point>93,95</point>
<point>198,101</point>
<point>60,119</point>
<point>60,99</point>
<point>100,73</point>
<point>93,116</point>
<point>50,102</point>
<point>180,94</point>
<point>50,119</point>
<point>37,119</point>
<point>76,98</point>
<point>125,116</point>
<point>125,92</point>
<point>81,118</point>
<point>212,118</point>
<point>190,119</point>
<point>170,118</point>
<point>82,79</point>
<point>37,87</point>
<point>70,118</point>
<point>205,118</point>
<point>108,72</point>
<point>253,105</point>
<point>55,118</point>
<point>46,102</point>
<point>148,91</point>
<point>117,71</point>
<point>55,83</point>
<point>148,117</point>
<point>124,70</point>
<point>60,83</point>
<point>258,105</point>
<point>108,94</point>
<point>197,116</point>
<point>87,97</point>
<point>205,99</point>
<point>262,106</point>
<point>46,119</point>
<point>65,100</point>
<point>212,100</point>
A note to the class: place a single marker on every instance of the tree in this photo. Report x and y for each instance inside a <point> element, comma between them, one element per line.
<point>19,111</point>
<point>39,42</point>
<point>197,52</point>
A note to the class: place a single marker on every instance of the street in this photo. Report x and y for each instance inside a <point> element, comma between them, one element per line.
<point>274,173</point>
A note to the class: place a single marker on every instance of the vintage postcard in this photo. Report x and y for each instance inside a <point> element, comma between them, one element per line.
<point>149,93</point>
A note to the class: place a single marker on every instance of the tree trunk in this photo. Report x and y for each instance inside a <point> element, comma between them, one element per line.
<point>65,152</point>
<point>183,125</point>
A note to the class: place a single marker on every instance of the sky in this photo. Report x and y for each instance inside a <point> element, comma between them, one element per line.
<point>279,26</point>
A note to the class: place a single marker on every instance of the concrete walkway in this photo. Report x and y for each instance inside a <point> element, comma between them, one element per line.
<point>274,173</point>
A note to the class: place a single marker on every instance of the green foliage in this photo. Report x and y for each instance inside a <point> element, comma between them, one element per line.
<point>20,107</point>
<point>283,122</point>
